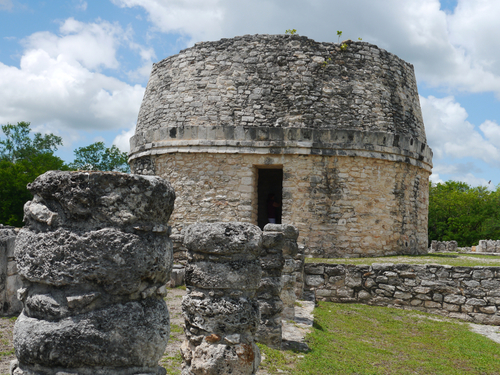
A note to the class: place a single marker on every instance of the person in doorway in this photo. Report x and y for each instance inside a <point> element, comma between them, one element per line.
<point>272,206</point>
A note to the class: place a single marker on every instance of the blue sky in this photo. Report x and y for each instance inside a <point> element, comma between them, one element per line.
<point>79,68</point>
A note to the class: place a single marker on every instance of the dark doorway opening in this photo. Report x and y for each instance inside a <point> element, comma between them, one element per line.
<point>270,183</point>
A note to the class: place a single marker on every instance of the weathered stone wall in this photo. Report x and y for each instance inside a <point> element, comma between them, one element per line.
<point>342,206</point>
<point>345,126</point>
<point>280,81</point>
<point>488,246</point>
<point>10,281</point>
<point>443,246</point>
<point>94,257</point>
<point>221,311</point>
<point>270,287</point>
<point>469,293</point>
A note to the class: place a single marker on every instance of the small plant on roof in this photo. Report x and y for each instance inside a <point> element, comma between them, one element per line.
<point>339,34</point>
<point>290,31</point>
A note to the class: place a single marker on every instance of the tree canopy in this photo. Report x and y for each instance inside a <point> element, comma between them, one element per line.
<point>25,155</point>
<point>98,157</point>
<point>22,159</point>
<point>463,213</point>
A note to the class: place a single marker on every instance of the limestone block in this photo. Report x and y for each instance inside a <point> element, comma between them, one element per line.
<point>94,258</point>
<point>221,311</point>
<point>66,257</point>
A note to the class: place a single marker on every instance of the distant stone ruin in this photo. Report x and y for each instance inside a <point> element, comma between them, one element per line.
<point>94,258</point>
<point>10,282</point>
<point>443,246</point>
<point>336,135</point>
<point>488,246</point>
<point>221,310</point>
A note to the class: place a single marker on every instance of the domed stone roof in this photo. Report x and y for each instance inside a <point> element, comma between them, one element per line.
<point>283,94</point>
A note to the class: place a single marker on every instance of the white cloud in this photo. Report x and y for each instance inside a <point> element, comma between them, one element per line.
<point>449,134</point>
<point>459,49</point>
<point>93,45</point>
<point>5,4</point>
<point>82,5</point>
<point>58,83</point>
<point>122,141</point>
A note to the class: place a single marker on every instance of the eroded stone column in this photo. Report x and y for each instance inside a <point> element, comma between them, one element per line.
<point>221,310</point>
<point>94,256</point>
<point>268,294</point>
<point>289,277</point>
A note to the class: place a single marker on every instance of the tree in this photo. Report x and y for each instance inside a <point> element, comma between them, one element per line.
<point>463,213</point>
<point>22,159</point>
<point>97,157</point>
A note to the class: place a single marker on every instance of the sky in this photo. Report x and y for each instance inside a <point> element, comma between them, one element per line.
<point>78,69</point>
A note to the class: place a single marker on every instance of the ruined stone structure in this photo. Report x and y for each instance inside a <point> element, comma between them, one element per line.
<point>443,246</point>
<point>336,135</point>
<point>468,293</point>
<point>488,246</point>
<point>9,279</point>
<point>221,310</point>
<point>94,258</point>
<point>270,287</point>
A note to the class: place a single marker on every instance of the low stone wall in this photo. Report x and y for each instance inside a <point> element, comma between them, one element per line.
<point>488,246</point>
<point>443,246</point>
<point>10,282</point>
<point>468,293</point>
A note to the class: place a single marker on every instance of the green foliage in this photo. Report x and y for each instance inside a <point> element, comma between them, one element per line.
<point>291,31</point>
<point>463,213</point>
<point>18,145</point>
<point>98,157</point>
<point>22,159</point>
<point>448,259</point>
<point>339,34</point>
<point>343,46</point>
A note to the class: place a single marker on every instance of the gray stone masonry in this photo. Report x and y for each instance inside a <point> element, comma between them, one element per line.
<point>271,306</point>
<point>221,310</point>
<point>488,246</point>
<point>289,274</point>
<point>281,94</point>
<point>94,258</point>
<point>9,279</point>
<point>443,246</point>
<point>468,293</point>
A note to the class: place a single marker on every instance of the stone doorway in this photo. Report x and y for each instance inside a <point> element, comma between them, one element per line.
<point>270,182</point>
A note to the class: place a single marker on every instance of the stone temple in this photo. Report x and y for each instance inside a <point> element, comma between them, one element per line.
<point>335,134</point>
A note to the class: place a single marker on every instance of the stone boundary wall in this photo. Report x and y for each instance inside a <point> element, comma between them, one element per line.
<point>10,281</point>
<point>468,293</point>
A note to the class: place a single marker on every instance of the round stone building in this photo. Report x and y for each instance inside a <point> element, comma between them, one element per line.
<point>333,131</point>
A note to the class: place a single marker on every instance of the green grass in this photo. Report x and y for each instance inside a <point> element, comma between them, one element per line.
<point>451,259</point>
<point>172,363</point>
<point>359,339</point>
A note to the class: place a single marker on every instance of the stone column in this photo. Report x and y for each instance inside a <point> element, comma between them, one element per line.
<point>288,278</point>
<point>221,310</point>
<point>94,256</point>
<point>268,294</point>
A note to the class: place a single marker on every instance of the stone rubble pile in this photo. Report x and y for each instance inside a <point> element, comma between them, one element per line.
<point>221,310</point>
<point>268,294</point>
<point>94,257</point>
